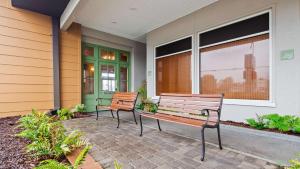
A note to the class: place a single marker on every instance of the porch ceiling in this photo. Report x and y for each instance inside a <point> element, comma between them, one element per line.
<point>132,19</point>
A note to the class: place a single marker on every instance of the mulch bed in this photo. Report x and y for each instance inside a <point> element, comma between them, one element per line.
<point>240,124</point>
<point>12,149</point>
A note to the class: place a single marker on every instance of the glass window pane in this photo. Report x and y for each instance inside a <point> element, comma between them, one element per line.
<point>88,51</point>
<point>107,55</point>
<point>173,74</point>
<point>88,78</point>
<point>123,57</point>
<point>239,69</point>
<point>108,76</point>
<point>123,79</point>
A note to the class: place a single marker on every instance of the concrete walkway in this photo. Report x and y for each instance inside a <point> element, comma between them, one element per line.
<point>155,149</point>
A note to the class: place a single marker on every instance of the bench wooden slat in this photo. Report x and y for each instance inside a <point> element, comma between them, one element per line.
<point>121,100</point>
<point>175,119</point>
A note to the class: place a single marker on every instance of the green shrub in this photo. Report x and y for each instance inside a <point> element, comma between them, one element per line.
<point>80,108</point>
<point>65,114</point>
<point>274,121</point>
<point>80,158</point>
<point>53,164</point>
<point>48,138</point>
<point>258,124</point>
<point>295,164</point>
<point>149,106</point>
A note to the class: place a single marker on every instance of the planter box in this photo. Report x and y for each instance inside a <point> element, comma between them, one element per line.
<point>89,162</point>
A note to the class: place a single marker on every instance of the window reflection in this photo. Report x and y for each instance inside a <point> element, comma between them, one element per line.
<point>123,79</point>
<point>88,51</point>
<point>88,78</point>
<point>107,55</point>
<point>173,74</point>
<point>239,69</point>
<point>108,78</point>
<point>123,57</point>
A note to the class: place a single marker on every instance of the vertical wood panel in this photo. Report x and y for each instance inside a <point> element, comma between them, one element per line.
<point>70,64</point>
<point>26,71</point>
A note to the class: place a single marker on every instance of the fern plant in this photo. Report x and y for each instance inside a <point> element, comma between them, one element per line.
<point>54,164</point>
<point>48,138</point>
<point>81,157</point>
<point>65,114</point>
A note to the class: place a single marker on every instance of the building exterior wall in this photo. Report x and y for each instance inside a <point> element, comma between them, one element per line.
<point>137,50</point>
<point>26,70</point>
<point>285,76</point>
<point>70,66</point>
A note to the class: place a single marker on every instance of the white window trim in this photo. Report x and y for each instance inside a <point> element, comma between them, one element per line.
<point>247,102</point>
<point>192,60</point>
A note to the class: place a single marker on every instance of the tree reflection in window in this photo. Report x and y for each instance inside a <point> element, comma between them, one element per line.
<point>239,69</point>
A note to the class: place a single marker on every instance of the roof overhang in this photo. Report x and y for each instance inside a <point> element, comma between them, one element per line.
<point>52,8</point>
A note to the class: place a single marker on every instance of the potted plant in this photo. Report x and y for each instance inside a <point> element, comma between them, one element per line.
<point>78,110</point>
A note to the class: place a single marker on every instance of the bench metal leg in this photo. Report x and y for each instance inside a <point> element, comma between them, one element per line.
<point>134,117</point>
<point>118,118</point>
<point>158,125</point>
<point>112,114</point>
<point>141,123</point>
<point>203,144</point>
<point>97,113</point>
<point>219,137</point>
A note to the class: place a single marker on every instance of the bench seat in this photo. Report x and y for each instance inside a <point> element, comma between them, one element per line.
<point>120,101</point>
<point>175,119</point>
<point>195,110</point>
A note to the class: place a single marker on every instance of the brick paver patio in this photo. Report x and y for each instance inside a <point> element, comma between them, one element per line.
<point>155,150</point>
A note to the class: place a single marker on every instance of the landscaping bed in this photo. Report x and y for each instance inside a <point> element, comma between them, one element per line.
<point>12,148</point>
<point>240,124</point>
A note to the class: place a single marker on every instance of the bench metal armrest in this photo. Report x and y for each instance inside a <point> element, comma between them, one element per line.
<point>208,114</point>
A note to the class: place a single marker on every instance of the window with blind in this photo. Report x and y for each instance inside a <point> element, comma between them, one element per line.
<point>234,60</point>
<point>173,67</point>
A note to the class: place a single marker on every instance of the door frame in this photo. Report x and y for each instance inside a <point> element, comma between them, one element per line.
<point>97,60</point>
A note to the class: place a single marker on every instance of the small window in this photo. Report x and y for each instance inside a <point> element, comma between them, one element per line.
<point>88,51</point>
<point>108,77</point>
<point>107,54</point>
<point>237,64</point>
<point>88,78</point>
<point>123,57</point>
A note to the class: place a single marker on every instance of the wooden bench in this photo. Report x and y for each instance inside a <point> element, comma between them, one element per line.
<point>195,110</point>
<point>120,101</point>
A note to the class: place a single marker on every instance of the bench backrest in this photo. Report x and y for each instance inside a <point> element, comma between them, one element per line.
<point>191,105</point>
<point>124,100</point>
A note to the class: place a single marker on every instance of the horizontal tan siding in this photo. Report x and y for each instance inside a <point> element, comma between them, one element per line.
<point>26,70</point>
<point>70,66</point>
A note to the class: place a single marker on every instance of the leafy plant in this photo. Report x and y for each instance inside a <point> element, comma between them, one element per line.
<point>295,164</point>
<point>80,108</point>
<point>82,155</point>
<point>117,165</point>
<point>52,164</point>
<point>65,114</point>
<point>258,124</point>
<point>275,121</point>
<point>48,138</point>
<point>149,106</point>
<point>143,91</point>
